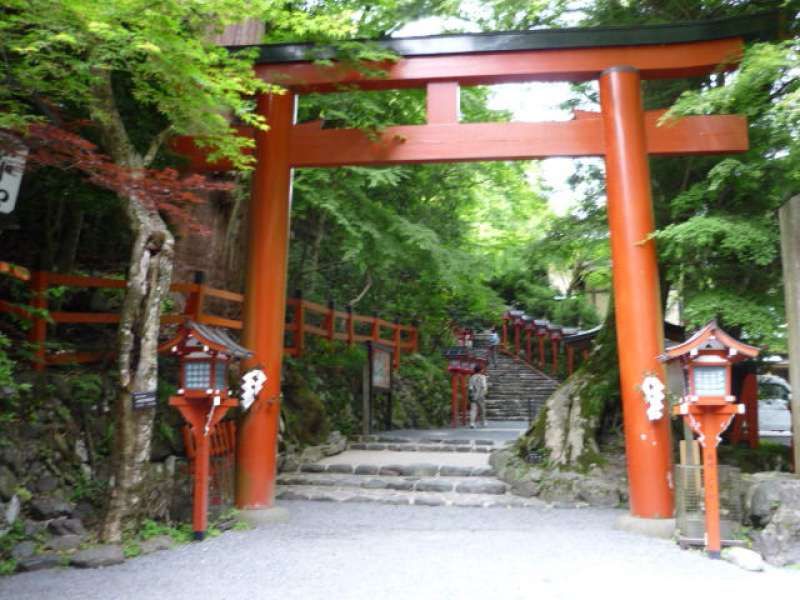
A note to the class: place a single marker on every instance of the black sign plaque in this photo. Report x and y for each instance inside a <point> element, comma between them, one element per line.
<point>142,400</point>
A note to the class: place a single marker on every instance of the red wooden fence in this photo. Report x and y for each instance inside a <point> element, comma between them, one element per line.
<point>305,317</point>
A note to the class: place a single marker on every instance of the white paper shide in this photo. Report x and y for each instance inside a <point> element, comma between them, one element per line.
<point>252,382</point>
<point>653,390</point>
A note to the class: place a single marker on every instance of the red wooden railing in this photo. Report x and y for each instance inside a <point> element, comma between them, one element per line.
<point>305,317</point>
<point>519,332</point>
<point>345,326</point>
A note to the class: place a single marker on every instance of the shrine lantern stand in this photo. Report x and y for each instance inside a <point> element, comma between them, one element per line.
<point>461,364</point>
<point>205,355</point>
<point>709,406</point>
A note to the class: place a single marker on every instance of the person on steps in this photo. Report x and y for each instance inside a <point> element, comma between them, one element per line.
<point>478,386</point>
<point>494,342</point>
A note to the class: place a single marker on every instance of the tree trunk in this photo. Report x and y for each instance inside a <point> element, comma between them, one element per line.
<point>149,277</point>
<point>68,250</point>
<point>316,247</point>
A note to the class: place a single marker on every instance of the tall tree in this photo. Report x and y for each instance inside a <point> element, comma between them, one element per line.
<point>99,87</point>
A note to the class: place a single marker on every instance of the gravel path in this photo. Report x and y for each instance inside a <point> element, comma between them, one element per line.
<point>369,551</point>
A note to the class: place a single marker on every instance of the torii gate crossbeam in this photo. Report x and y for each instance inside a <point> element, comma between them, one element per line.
<point>623,133</point>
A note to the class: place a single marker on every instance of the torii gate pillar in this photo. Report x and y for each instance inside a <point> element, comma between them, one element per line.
<point>639,319</point>
<point>265,304</point>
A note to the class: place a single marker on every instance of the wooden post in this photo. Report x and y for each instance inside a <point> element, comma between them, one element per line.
<point>789,217</point>
<point>528,345</point>
<point>453,399</point>
<point>375,330</point>
<point>570,359</point>
<point>442,102</point>
<point>366,399</point>
<point>396,342</point>
<point>38,333</point>
<point>504,341</point>
<point>639,320</point>
<point>750,400</point>
<point>200,496</point>
<point>541,350</point>
<point>300,324</point>
<point>196,299</point>
<point>464,399</point>
<point>516,340</point>
<point>265,301</point>
<point>330,320</point>
<point>351,332</point>
<point>711,497</point>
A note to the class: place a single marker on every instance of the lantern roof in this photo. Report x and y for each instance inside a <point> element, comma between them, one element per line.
<point>215,338</point>
<point>710,337</point>
<point>580,336</point>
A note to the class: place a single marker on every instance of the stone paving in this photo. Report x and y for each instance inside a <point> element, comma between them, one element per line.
<point>330,551</point>
<point>445,467</point>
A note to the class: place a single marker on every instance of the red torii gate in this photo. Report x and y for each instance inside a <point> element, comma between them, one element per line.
<point>623,133</point>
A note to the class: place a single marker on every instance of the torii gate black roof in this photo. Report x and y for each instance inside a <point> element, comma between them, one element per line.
<point>754,27</point>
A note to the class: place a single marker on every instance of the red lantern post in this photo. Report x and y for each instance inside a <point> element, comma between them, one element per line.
<point>203,398</point>
<point>709,406</point>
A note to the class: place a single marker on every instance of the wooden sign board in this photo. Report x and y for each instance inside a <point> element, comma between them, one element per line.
<point>380,367</point>
<point>11,169</point>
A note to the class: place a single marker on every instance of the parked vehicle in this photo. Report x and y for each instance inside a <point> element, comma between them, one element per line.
<point>774,397</point>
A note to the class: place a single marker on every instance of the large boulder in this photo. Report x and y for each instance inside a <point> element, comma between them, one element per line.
<point>99,556</point>
<point>8,483</point>
<point>768,493</point>
<point>597,491</point>
<point>336,444</point>
<point>779,541</point>
<point>560,488</point>
<point>529,484</point>
<point>50,507</point>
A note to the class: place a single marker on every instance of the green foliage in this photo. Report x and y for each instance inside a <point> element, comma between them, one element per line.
<point>320,391</point>
<point>61,52</point>
<point>768,456</point>
<point>89,489</point>
<point>421,393</point>
<point>15,535</point>
<point>11,390</point>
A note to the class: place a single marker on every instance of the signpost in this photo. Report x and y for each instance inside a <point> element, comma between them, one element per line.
<point>12,167</point>
<point>378,376</point>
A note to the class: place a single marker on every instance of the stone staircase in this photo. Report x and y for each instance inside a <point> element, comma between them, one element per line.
<point>516,390</point>
<point>395,470</point>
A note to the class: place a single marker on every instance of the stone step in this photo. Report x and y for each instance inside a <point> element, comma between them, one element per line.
<point>423,444</point>
<point>441,484</point>
<point>332,494</point>
<point>392,439</point>
<point>398,470</point>
<point>422,447</point>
